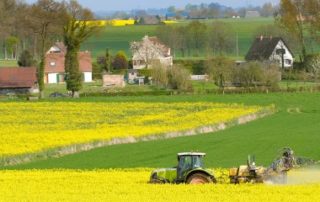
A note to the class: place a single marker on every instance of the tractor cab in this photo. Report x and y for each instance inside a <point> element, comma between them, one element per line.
<point>190,170</point>
<point>187,162</point>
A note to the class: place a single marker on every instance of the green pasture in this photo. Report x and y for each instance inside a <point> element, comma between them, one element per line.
<point>296,124</point>
<point>119,38</point>
<point>8,63</point>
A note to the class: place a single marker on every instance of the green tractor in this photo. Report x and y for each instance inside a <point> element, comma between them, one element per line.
<point>190,170</point>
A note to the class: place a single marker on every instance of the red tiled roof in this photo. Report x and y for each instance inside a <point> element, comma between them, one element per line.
<point>18,77</point>
<point>55,62</point>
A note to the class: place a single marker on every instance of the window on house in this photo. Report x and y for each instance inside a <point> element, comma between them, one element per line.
<point>288,62</point>
<point>52,64</point>
<point>281,51</point>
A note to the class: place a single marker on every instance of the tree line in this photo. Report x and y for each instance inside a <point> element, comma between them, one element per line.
<point>197,38</point>
<point>34,28</point>
<point>199,11</point>
<point>215,10</point>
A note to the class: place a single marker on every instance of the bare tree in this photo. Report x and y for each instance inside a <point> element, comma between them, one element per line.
<point>7,8</point>
<point>196,36</point>
<point>221,38</point>
<point>45,19</point>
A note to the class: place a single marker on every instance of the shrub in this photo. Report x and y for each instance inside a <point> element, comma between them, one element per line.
<point>220,70</point>
<point>175,77</point>
<point>145,72</point>
<point>26,59</point>
<point>96,71</point>
<point>179,78</point>
<point>120,61</point>
<point>225,72</point>
<point>196,67</point>
<point>312,65</point>
<point>159,75</point>
<point>255,74</point>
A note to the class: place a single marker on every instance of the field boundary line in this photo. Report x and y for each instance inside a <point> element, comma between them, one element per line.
<point>77,148</point>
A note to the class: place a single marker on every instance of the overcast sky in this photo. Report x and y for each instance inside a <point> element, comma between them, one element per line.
<point>112,5</point>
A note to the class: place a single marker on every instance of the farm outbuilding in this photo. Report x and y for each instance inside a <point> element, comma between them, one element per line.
<point>18,80</point>
<point>110,81</point>
<point>253,14</point>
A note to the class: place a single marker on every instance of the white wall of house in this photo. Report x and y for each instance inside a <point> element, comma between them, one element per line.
<point>87,77</point>
<point>288,57</point>
<point>52,78</point>
<point>132,76</point>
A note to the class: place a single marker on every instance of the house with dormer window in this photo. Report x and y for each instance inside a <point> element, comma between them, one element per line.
<point>55,64</point>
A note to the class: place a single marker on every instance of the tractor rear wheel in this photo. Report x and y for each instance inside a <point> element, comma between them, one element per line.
<point>199,178</point>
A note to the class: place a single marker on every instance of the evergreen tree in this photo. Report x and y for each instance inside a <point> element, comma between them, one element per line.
<point>120,61</point>
<point>26,59</point>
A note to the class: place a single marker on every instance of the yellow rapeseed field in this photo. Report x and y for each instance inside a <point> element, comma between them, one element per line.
<point>120,23</point>
<point>168,22</point>
<point>131,185</point>
<point>33,127</point>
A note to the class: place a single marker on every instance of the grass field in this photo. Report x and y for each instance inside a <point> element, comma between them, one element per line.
<point>296,125</point>
<point>119,38</point>
<point>8,63</point>
<point>198,87</point>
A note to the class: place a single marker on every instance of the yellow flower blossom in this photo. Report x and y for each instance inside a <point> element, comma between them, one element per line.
<point>34,127</point>
<point>131,185</point>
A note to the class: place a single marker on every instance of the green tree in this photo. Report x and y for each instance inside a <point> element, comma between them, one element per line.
<point>108,56</point>
<point>220,70</point>
<point>26,59</point>
<point>159,75</point>
<point>120,61</point>
<point>292,17</point>
<point>221,38</point>
<point>7,20</point>
<point>267,10</point>
<point>196,36</point>
<point>179,78</point>
<point>312,7</point>
<point>45,19</point>
<point>75,32</point>
<point>12,46</point>
<point>105,62</point>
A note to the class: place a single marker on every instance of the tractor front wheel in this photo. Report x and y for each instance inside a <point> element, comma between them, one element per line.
<point>199,178</point>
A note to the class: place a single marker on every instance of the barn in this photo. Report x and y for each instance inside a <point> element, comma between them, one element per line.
<point>18,80</point>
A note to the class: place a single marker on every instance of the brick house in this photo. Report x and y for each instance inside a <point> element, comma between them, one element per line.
<point>55,69</point>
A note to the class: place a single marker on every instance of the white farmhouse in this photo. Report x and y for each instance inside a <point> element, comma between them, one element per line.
<point>272,49</point>
<point>148,51</point>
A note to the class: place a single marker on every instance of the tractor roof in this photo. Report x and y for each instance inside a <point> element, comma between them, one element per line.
<point>191,154</point>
